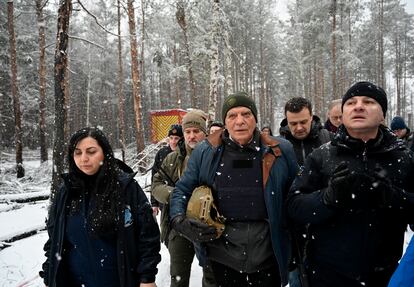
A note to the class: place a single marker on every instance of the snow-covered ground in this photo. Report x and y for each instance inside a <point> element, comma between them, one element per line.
<point>21,261</point>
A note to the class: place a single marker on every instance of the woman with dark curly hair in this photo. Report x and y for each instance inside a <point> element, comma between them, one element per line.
<point>101,228</point>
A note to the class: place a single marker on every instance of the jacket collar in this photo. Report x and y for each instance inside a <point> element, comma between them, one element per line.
<point>383,142</point>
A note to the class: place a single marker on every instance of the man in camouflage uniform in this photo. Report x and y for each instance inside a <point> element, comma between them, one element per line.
<point>180,248</point>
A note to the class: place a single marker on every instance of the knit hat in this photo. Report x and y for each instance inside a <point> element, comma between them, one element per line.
<point>175,130</point>
<point>216,124</point>
<point>369,90</point>
<point>239,99</point>
<point>398,123</point>
<point>195,119</point>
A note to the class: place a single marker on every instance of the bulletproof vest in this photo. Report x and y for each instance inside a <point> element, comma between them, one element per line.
<point>238,185</point>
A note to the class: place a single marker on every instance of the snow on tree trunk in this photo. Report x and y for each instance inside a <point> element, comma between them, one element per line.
<point>181,20</point>
<point>176,78</point>
<point>333,48</point>
<point>381,72</point>
<point>121,99</point>
<point>214,63</point>
<point>61,62</point>
<point>228,61</point>
<point>42,82</point>
<point>15,92</point>
<point>136,84</point>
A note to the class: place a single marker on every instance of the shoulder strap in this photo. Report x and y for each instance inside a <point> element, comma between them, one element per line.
<point>269,159</point>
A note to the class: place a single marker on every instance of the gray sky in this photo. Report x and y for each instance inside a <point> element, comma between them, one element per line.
<point>281,6</point>
<point>410,6</point>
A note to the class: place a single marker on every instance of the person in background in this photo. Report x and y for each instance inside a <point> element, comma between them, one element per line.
<point>334,116</point>
<point>215,126</point>
<point>250,174</point>
<point>356,195</point>
<point>175,133</point>
<point>267,129</point>
<point>100,224</point>
<point>303,129</point>
<point>400,129</point>
<point>181,250</point>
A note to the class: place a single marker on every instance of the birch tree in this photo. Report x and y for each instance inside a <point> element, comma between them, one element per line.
<point>214,63</point>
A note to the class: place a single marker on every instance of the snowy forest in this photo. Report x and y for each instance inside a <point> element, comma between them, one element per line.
<point>67,64</point>
<point>72,63</point>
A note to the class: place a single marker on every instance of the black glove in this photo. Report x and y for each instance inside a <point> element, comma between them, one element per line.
<point>385,193</point>
<point>344,187</point>
<point>193,229</point>
<point>337,193</point>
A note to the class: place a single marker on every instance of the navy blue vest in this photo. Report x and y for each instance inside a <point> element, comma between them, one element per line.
<point>239,184</point>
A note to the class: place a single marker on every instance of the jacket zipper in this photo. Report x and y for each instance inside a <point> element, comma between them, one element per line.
<point>365,157</point>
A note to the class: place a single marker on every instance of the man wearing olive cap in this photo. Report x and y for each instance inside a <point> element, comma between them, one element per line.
<point>250,174</point>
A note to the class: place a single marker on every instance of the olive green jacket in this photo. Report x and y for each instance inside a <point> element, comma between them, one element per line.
<point>164,181</point>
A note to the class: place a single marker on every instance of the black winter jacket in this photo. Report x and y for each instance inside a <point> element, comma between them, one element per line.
<point>317,136</point>
<point>408,139</point>
<point>137,242</point>
<point>364,239</point>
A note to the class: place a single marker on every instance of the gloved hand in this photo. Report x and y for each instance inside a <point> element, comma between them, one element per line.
<point>385,193</point>
<point>337,193</point>
<point>193,229</point>
<point>344,187</point>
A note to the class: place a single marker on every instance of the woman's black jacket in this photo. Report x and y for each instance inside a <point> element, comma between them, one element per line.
<point>138,242</point>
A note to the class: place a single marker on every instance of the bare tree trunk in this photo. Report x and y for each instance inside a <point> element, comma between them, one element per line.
<point>142,59</point>
<point>397,46</point>
<point>61,62</point>
<point>67,103</point>
<point>88,91</point>
<point>381,71</point>
<point>136,84</point>
<point>262,96</point>
<point>163,103</point>
<point>228,90</point>
<point>42,81</point>
<point>334,88</point>
<point>121,99</point>
<point>341,67</point>
<point>15,92</point>
<point>404,73</point>
<point>214,64</point>
<point>181,20</point>
<point>246,64</point>
<point>146,101</point>
<point>176,80</point>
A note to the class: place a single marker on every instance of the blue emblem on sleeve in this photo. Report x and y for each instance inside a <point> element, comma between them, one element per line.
<point>128,216</point>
